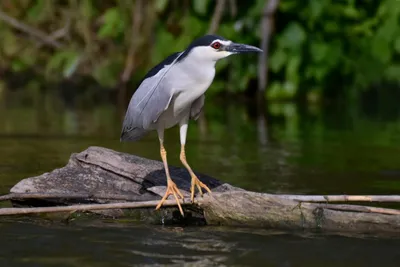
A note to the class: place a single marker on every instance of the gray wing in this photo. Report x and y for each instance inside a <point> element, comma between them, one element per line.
<point>147,103</point>
<point>197,107</point>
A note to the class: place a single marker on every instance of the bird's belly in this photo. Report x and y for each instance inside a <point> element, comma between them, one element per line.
<point>170,117</point>
<point>188,95</point>
<point>179,108</point>
<point>181,103</point>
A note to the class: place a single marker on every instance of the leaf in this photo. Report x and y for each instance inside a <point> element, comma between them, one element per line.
<point>72,65</point>
<point>392,72</point>
<point>286,6</point>
<point>351,12</point>
<point>332,27</point>
<point>160,5</point>
<point>397,44</point>
<point>317,72</point>
<point>381,50</point>
<point>319,51</point>
<point>63,61</point>
<point>200,6</point>
<point>292,68</point>
<point>106,72</point>
<point>88,10</point>
<point>278,91</point>
<point>293,36</point>
<point>277,60</point>
<point>289,89</point>
<point>365,28</point>
<point>113,24</point>
<point>17,65</point>
<point>388,29</point>
<point>273,90</point>
<point>316,8</point>
<point>35,13</point>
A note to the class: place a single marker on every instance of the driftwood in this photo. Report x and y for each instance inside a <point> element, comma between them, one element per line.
<point>101,179</point>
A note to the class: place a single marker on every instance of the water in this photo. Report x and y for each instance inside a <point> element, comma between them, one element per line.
<point>111,244</point>
<point>315,150</point>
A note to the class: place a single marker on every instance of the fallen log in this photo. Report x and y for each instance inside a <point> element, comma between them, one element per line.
<point>101,179</point>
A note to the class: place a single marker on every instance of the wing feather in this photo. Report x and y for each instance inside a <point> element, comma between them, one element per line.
<point>197,107</point>
<point>148,102</point>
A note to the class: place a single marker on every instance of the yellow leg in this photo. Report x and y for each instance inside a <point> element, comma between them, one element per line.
<point>172,189</point>
<point>195,180</point>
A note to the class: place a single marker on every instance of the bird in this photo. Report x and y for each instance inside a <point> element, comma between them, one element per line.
<point>171,94</point>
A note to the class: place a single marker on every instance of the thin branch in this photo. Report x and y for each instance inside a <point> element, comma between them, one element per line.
<point>266,31</point>
<point>301,198</point>
<point>29,30</point>
<point>233,8</point>
<point>216,18</point>
<point>17,196</point>
<point>124,205</point>
<point>60,33</point>
<point>359,208</point>
<point>133,40</point>
<point>342,198</point>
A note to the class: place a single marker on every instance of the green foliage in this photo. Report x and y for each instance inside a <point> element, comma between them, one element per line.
<point>344,40</point>
<point>314,43</point>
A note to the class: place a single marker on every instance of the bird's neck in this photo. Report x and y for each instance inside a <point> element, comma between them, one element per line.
<point>199,69</point>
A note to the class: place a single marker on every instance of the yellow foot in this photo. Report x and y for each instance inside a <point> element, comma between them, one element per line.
<point>199,185</point>
<point>172,189</point>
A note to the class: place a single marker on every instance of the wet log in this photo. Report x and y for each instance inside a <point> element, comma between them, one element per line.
<point>118,184</point>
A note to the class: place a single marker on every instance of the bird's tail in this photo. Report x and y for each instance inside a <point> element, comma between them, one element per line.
<point>131,135</point>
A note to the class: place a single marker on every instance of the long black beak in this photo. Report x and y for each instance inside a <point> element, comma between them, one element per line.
<point>242,48</point>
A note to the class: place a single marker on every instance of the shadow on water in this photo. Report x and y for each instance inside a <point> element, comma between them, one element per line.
<point>285,148</point>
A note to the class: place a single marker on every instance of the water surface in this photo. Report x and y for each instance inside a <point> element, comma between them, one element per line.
<point>285,149</point>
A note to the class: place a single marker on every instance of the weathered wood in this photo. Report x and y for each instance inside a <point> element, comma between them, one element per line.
<point>101,172</point>
<point>100,175</point>
<point>257,209</point>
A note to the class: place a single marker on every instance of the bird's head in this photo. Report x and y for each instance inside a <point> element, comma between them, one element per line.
<point>214,48</point>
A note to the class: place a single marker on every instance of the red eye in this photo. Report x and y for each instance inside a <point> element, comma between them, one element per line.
<point>216,45</point>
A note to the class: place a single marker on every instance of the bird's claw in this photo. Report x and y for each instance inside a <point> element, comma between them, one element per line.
<point>172,189</point>
<point>199,185</point>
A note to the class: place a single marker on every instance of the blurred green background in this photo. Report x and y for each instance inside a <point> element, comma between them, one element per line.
<point>316,49</point>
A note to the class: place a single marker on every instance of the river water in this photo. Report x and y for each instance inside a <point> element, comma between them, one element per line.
<point>289,149</point>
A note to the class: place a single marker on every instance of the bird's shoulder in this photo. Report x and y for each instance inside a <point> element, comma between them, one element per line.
<point>167,61</point>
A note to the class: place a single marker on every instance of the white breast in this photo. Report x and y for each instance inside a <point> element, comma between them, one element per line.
<point>190,80</point>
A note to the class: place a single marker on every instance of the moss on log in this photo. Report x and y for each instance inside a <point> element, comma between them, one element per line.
<point>102,175</point>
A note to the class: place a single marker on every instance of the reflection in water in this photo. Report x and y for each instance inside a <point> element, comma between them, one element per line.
<point>118,244</point>
<point>285,148</point>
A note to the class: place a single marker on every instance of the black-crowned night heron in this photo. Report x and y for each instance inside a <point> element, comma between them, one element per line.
<point>172,93</point>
